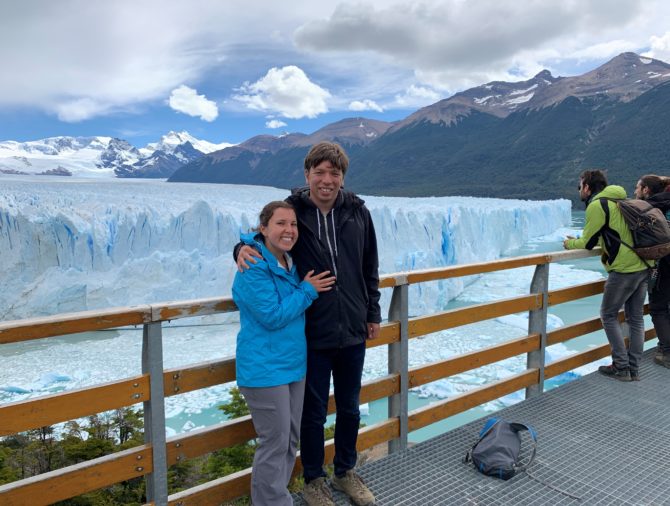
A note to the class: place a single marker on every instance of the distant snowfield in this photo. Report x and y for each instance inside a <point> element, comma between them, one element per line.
<point>71,245</point>
<point>90,157</point>
<point>35,157</point>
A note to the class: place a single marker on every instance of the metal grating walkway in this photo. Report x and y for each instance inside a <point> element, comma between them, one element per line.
<point>603,440</point>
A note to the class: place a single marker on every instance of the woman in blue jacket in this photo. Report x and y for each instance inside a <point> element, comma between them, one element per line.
<point>271,349</point>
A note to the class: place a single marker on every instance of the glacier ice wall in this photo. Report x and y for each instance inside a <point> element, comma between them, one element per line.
<point>75,245</point>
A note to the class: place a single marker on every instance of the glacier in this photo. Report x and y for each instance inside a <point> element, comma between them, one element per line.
<point>71,244</point>
<point>75,245</point>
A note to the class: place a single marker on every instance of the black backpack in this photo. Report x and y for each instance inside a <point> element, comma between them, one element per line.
<point>647,224</point>
<point>496,452</point>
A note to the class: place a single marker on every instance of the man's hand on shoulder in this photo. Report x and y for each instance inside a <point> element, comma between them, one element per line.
<point>373,330</point>
<point>247,254</point>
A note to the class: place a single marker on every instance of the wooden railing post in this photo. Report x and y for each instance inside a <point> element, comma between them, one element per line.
<point>154,413</point>
<point>537,324</point>
<point>398,364</point>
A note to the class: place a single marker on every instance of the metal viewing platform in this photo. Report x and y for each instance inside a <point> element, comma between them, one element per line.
<point>599,439</point>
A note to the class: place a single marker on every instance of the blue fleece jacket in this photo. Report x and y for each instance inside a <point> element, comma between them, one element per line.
<point>271,345</point>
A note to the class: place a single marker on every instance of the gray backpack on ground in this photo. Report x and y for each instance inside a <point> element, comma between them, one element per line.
<point>496,452</point>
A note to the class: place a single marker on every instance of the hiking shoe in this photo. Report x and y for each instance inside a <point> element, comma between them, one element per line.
<point>634,375</point>
<point>317,493</point>
<point>662,359</point>
<point>353,485</point>
<point>658,355</point>
<point>612,372</point>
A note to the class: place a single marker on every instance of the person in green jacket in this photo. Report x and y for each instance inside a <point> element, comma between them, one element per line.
<point>626,284</point>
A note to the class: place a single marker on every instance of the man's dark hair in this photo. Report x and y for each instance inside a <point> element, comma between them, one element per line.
<point>327,151</point>
<point>656,184</point>
<point>596,179</point>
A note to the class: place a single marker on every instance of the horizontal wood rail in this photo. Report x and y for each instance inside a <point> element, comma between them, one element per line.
<point>440,410</point>
<point>457,271</point>
<point>576,292</point>
<point>437,370</point>
<point>72,323</point>
<point>81,478</point>
<point>234,485</point>
<point>423,325</point>
<point>240,430</point>
<point>50,409</point>
<point>585,357</point>
<point>86,321</point>
<point>180,380</point>
<point>75,480</point>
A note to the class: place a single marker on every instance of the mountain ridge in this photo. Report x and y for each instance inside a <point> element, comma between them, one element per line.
<point>467,144</point>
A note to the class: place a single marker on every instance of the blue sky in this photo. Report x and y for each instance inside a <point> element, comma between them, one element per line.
<point>226,71</point>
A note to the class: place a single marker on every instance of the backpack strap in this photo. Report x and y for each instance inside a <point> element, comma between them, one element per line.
<point>518,426</point>
<point>609,235</point>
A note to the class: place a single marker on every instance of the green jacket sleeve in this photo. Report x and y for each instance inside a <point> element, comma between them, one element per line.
<point>593,222</point>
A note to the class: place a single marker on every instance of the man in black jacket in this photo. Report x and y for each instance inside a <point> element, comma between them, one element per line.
<point>335,234</point>
<point>652,189</point>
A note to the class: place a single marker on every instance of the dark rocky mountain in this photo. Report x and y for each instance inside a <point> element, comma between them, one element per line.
<point>160,163</point>
<point>527,139</point>
<point>266,159</point>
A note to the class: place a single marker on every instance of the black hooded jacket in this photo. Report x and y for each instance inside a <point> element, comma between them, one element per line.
<point>339,317</point>
<point>662,202</point>
<point>344,242</point>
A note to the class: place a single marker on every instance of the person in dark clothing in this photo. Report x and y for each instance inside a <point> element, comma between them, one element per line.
<point>652,188</point>
<point>335,234</point>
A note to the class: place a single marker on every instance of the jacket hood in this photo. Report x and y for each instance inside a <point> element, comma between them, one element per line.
<point>256,239</point>
<point>612,191</point>
<point>252,239</point>
<point>660,200</point>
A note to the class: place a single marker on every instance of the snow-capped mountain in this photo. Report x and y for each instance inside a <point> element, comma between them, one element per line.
<point>172,140</point>
<point>623,79</point>
<point>102,157</point>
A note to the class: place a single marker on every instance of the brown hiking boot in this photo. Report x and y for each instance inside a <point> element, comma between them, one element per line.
<point>662,359</point>
<point>317,493</point>
<point>658,355</point>
<point>353,485</point>
<point>612,372</point>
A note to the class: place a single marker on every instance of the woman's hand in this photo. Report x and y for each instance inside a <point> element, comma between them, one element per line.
<point>321,282</point>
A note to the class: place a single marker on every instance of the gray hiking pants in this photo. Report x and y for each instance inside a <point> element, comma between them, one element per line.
<point>276,413</point>
<point>627,291</point>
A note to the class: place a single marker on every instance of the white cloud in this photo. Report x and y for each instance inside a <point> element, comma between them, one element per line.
<point>416,96</point>
<point>286,91</point>
<point>80,60</point>
<point>452,44</point>
<point>274,123</point>
<point>365,105</point>
<point>186,100</point>
<point>603,50</point>
<point>660,47</point>
<point>80,109</point>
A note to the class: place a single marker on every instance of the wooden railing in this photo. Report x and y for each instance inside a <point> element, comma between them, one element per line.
<point>153,459</point>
